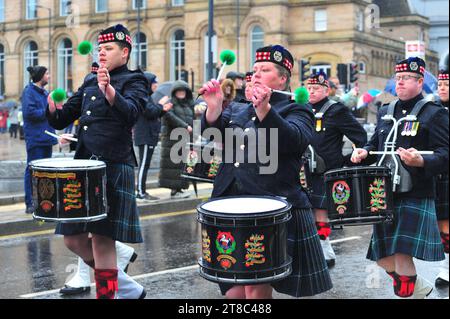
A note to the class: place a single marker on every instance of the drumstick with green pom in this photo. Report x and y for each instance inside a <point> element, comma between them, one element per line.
<point>85,48</point>
<point>59,95</point>
<point>301,95</point>
<point>227,57</point>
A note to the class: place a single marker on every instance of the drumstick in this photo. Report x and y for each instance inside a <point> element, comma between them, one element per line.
<point>60,137</point>
<point>417,152</point>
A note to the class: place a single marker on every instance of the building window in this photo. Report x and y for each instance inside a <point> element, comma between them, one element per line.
<point>177,3</point>
<point>139,52</point>
<point>206,55</point>
<point>320,20</point>
<point>142,4</point>
<point>64,7</point>
<point>2,11</point>
<point>362,67</point>
<point>30,58</point>
<point>360,21</point>
<point>325,68</point>
<point>65,63</point>
<point>256,42</point>
<point>177,71</point>
<point>31,10</point>
<point>101,6</point>
<point>2,70</point>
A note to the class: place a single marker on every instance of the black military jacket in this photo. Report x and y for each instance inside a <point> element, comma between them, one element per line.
<point>432,135</point>
<point>105,130</point>
<point>293,124</point>
<point>336,122</point>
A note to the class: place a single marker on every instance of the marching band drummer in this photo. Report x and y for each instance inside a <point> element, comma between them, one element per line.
<point>414,232</point>
<point>333,121</point>
<point>294,124</point>
<point>107,106</point>
<point>442,191</point>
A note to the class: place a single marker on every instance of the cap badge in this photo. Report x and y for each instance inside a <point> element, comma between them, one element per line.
<point>414,66</point>
<point>277,56</point>
<point>120,36</point>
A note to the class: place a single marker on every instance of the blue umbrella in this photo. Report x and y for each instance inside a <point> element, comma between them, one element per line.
<point>429,85</point>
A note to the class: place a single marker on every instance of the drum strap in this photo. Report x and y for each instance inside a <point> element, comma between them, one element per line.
<point>416,110</point>
<point>325,108</point>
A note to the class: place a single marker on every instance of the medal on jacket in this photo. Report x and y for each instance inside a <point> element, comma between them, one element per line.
<point>318,117</point>
<point>405,129</point>
<point>415,128</point>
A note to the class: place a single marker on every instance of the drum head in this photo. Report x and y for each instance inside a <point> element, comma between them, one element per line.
<point>245,206</point>
<point>66,164</point>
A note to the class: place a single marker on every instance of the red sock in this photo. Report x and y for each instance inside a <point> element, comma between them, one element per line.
<point>404,285</point>
<point>444,240</point>
<point>106,283</point>
<point>323,230</point>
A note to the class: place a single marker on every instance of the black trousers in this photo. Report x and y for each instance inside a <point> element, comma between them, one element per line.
<point>145,157</point>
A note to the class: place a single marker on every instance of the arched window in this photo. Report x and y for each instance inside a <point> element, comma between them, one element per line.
<point>256,42</point>
<point>65,64</point>
<point>206,56</point>
<point>177,71</point>
<point>30,58</point>
<point>2,70</point>
<point>139,52</point>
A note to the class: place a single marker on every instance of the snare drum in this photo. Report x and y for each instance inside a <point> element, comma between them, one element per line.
<point>359,195</point>
<point>195,168</point>
<point>244,239</point>
<point>68,190</point>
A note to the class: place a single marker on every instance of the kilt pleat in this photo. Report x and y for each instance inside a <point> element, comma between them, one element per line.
<point>318,195</point>
<point>442,208</point>
<point>310,275</point>
<point>122,223</point>
<point>414,232</point>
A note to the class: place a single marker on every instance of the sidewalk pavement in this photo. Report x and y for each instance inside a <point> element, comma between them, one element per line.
<point>13,219</point>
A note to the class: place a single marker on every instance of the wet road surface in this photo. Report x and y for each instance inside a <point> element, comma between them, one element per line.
<point>38,266</point>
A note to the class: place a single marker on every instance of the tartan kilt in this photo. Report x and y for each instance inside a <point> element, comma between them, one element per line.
<point>414,232</point>
<point>310,275</point>
<point>318,195</point>
<point>122,223</point>
<point>442,197</point>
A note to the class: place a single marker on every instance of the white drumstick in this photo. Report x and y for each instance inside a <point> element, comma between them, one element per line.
<point>60,137</point>
<point>417,152</point>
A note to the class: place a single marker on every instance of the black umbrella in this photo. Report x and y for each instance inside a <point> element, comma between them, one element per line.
<point>163,89</point>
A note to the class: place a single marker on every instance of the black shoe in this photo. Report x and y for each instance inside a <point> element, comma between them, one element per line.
<point>67,290</point>
<point>441,283</point>
<point>29,210</point>
<point>331,262</point>
<point>132,259</point>
<point>147,196</point>
<point>143,294</point>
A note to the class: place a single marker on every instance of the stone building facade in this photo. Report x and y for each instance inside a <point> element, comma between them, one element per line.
<point>173,37</point>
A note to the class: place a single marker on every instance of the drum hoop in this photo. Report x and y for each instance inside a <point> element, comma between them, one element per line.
<point>357,169</point>
<point>280,211</point>
<point>199,179</point>
<point>33,165</point>
<point>71,220</point>
<point>286,268</point>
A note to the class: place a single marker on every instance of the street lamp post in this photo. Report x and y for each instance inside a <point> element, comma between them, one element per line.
<point>210,35</point>
<point>49,38</point>
<point>238,31</point>
<point>138,37</point>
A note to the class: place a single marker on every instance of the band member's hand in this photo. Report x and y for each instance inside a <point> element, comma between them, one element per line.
<point>358,155</point>
<point>62,141</point>
<point>103,79</point>
<point>213,96</point>
<point>260,100</point>
<point>190,130</point>
<point>410,157</point>
<point>52,106</point>
<point>167,107</point>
